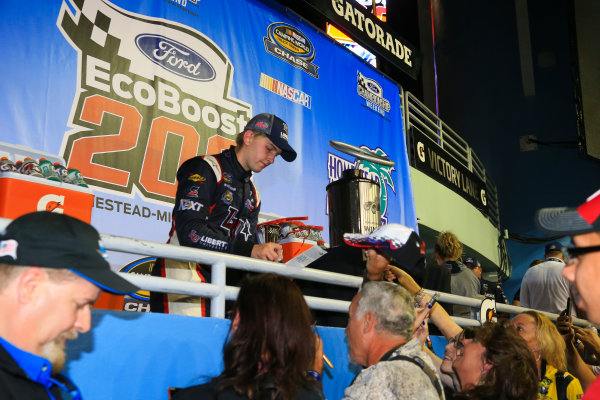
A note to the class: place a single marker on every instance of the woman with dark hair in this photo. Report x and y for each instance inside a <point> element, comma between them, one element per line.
<point>494,362</point>
<point>272,351</point>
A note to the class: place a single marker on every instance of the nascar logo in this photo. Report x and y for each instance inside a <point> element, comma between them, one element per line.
<point>285,91</point>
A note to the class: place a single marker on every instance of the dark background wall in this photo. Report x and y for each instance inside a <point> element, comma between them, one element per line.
<point>473,47</point>
<point>481,96</point>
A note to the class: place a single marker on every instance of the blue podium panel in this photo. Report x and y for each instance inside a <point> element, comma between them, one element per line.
<point>139,355</point>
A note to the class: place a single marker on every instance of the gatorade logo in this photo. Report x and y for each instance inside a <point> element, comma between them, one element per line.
<point>52,203</point>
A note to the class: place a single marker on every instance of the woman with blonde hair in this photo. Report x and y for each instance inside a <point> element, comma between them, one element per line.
<point>549,350</point>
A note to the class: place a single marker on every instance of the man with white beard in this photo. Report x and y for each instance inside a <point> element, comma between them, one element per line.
<point>52,269</point>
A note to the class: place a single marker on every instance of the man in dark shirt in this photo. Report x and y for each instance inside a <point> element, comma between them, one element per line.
<point>217,206</point>
<point>52,268</point>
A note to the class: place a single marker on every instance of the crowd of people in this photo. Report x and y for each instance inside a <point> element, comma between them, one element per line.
<point>272,350</point>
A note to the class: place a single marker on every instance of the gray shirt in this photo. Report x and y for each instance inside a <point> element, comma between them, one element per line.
<point>396,379</point>
<point>464,282</point>
<point>544,288</point>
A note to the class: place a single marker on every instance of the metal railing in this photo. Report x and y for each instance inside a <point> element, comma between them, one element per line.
<point>218,292</point>
<point>420,118</point>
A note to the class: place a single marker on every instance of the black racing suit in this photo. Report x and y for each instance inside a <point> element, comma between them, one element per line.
<point>216,208</point>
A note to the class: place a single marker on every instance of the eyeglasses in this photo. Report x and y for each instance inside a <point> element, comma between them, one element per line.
<point>571,253</point>
<point>458,343</point>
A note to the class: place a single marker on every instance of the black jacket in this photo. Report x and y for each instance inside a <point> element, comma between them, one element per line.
<point>216,208</point>
<point>216,205</point>
<point>211,391</point>
<point>16,385</point>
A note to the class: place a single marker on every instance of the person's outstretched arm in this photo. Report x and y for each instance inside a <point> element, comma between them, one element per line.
<point>438,315</point>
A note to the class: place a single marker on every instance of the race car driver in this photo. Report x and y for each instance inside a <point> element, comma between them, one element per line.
<point>217,206</point>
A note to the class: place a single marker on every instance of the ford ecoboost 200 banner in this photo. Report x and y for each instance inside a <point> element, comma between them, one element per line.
<point>125,91</point>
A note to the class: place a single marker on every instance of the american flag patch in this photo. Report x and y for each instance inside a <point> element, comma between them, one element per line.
<point>9,248</point>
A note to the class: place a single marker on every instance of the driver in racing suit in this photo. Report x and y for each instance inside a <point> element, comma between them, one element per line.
<point>216,208</point>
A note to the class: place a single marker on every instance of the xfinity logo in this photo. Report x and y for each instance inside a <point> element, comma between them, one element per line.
<point>175,57</point>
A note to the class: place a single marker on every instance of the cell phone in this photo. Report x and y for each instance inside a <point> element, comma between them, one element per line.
<point>569,306</point>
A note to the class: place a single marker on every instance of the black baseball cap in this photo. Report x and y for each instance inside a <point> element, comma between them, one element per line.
<point>553,246</point>
<point>276,130</point>
<point>571,220</point>
<point>52,240</point>
<point>472,261</point>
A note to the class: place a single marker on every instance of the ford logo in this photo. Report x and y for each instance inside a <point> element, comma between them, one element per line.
<point>374,88</point>
<point>175,57</point>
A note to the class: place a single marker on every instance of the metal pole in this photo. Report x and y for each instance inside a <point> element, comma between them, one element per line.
<point>217,304</point>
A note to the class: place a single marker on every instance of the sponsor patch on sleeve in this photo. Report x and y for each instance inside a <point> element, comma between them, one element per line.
<point>193,191</point>
<point>194,237</point>
<point>196,178</point>
<point>227,197</point>
<point>186,204</point>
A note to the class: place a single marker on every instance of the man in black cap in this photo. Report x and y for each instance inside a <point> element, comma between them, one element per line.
<point>487,288</point>
<point>217,206</point>
<point>543,287</point>
<point>52,269</point>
